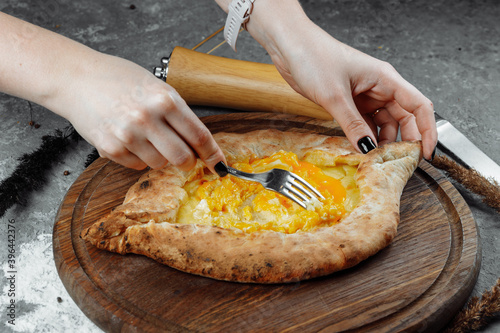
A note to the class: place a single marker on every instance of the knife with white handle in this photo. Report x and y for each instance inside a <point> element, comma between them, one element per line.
<point>203,79</point>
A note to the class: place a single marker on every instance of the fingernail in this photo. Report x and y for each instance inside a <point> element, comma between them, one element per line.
<point>366,144</point>
<point>221,169</point>
<point>432,156</point>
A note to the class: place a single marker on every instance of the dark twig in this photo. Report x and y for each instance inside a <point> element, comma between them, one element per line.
<point>31,173</point>
<point>472,180</point>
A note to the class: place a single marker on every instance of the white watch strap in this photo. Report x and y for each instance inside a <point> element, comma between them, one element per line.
<point>238,14</point>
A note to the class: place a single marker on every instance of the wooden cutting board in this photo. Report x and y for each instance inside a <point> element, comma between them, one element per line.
<point>418,283</point>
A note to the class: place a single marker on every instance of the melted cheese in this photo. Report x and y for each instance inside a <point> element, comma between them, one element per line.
<point>232,202</point>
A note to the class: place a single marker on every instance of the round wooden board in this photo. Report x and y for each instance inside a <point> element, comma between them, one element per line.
<point>418,283</point>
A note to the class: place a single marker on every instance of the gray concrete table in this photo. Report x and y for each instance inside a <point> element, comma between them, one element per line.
<point>450,50</point>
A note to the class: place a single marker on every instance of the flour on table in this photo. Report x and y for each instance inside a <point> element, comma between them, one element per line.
<point>38,285</point>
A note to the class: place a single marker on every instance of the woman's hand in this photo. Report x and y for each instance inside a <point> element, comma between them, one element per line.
<point>359,91</point>
<point>135,119</point>
<point>362,93</point>
<point>122,109</point>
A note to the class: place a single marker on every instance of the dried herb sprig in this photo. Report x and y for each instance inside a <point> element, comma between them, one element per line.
<point>471,179</point>
<point>31,173</point>
<point>94,155</point>
<point>478,312</point>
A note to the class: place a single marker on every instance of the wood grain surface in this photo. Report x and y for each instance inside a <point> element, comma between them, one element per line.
<point>417,284</point>
<point>204,79</point>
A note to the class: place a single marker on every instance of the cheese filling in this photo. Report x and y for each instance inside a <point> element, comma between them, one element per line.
<point>232,202</point>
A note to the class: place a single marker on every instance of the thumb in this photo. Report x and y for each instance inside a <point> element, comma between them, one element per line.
<point>353,124</point>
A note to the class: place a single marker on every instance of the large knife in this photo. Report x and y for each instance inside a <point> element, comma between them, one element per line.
<point>203,79</point>
<point>455,144</point>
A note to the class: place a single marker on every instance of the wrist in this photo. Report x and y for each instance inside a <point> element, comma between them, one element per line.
<point>69,79</point>
<point>273,23</point>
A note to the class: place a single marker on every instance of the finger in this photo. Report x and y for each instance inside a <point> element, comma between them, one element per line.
<point>195,133</point>
<point>116,152</point>
<point>369,121</point>
<point>366,107</point>
<point>138,145</point>
<point>132,140</point>
<point>407,122</point>
<point>354,126</point>
<point>148,153</point>
<point>146,133</point>
<point>389,127</point>
<point>158,144</point>
<point>168,143</point>
<point>413,101</point>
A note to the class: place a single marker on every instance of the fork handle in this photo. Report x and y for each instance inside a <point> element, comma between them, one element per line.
<point>254,177</point>
<point>223,170</point>
<point>209,80</point>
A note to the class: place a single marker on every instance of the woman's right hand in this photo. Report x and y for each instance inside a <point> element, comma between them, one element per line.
<point>135,119</point>
<point>122,109</point>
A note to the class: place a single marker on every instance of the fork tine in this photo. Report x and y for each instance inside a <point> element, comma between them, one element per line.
<point>282,181</point>
<point>298,193</point>
<point>286,193</point>
<point>301,181</point>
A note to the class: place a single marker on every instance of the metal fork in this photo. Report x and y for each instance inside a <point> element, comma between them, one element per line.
<point>284,182</point>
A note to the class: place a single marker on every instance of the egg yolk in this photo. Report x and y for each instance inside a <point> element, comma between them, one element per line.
<point>233,202</point>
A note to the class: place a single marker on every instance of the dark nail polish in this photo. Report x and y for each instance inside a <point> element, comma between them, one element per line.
<point>366,144</point>
<point>432,156</point>
<point>221,169</point>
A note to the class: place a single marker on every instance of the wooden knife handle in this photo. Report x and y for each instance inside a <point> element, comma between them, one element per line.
<point>203,79</point>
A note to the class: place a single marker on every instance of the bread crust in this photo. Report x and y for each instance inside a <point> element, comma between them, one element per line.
<point>262,256</point>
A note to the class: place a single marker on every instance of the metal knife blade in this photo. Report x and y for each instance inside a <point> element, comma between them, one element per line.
<point>455,144</point>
